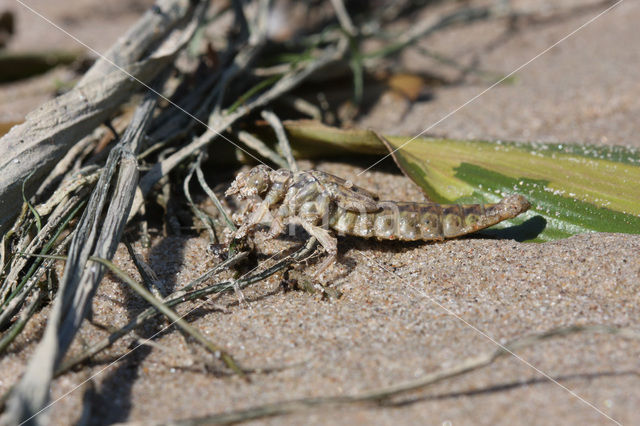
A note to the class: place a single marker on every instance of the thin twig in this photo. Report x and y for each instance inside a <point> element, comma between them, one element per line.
<point>204,218</point>
<point>173,124</point>
<point>283,141</point>
<point>260,24</point>
<point>65,164</point>
<point>261,148</point>
<point>344,18</point>
<point>149,277</point>
<point>240,19</point>
<point>212,195</point>
<point>303,106</point>
<point>241,62</point>
<point>428,27</point>
<point>464,69</point>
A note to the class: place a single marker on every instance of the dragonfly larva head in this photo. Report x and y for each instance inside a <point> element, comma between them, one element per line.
<point>251,183</point>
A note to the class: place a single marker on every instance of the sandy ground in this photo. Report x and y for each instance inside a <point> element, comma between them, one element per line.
<point>411,309</point>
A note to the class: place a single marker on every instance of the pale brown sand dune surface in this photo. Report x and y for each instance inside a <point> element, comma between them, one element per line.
<point>387,328</point>
<point>390,325</point>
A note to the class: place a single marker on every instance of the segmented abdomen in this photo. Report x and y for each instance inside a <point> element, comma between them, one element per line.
<point>425,221</point>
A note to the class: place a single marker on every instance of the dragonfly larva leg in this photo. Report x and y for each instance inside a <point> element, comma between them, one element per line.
<point>326,240</point>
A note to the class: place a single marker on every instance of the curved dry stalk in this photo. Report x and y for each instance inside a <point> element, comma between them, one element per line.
<point>261,148</point>
<point>204,218</point>
<point>344,18</point>
<point>174,299</point>
<point>148,275</point>
<point>212,195</point>
<point>281,135</point>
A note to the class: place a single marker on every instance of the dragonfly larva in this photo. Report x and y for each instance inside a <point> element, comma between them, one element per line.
<point>321,202</point>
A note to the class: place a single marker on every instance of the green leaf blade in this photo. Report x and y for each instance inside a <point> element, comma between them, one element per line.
<point>575,190</point>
